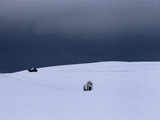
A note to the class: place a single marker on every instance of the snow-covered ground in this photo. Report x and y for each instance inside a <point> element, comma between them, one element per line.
<point>122,91</point>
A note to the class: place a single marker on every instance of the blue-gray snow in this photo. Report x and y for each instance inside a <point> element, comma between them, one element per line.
<point>122,91</point>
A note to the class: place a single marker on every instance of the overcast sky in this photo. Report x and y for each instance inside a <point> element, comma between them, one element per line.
<point>54,32</point>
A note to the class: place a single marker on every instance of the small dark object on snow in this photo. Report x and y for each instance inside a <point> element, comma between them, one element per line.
<point>88,86</point>
<point>33,70</point>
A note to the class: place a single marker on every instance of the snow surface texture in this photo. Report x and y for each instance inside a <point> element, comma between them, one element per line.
<point>122,91</point>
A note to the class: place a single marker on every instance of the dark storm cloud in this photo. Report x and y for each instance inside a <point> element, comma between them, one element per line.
<point>82,16</point>
<point>52,32</point>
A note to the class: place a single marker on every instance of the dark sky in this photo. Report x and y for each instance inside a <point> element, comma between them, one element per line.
<point>55,32</point>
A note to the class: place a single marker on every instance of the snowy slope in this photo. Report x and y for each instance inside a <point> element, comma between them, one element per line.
<point>122,91</point>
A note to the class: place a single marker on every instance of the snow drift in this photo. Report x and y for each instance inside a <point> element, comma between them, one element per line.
<point>122,91</point>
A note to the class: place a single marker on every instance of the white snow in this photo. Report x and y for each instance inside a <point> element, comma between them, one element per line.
<point>122,91</point>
